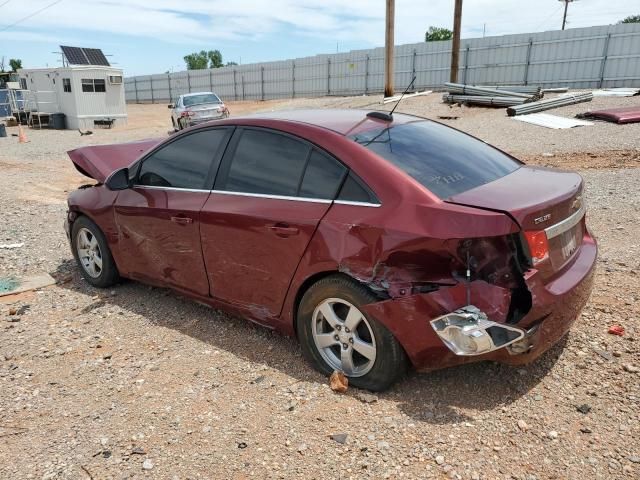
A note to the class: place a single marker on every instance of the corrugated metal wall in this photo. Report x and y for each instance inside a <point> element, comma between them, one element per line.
<point>606,56</point>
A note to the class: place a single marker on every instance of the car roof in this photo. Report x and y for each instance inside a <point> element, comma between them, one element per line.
<point>344,121</point>
<point>198,93</point>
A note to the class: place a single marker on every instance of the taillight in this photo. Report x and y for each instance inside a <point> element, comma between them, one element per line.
<point>538,245</point>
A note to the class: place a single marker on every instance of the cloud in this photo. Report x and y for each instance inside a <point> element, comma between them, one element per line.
<point>204,21</point>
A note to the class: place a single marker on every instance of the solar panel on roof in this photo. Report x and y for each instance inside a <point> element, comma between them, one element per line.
<point>84,56</point>
<point>95,56</point>
<point>75,55</point>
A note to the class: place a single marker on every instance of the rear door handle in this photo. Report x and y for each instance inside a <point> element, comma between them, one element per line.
<point>284,230</point>
<point>182,220</point>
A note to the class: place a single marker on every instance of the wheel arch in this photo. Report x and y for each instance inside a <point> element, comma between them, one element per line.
<point>313,279</point>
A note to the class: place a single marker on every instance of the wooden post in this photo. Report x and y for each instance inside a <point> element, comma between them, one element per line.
<point>564,17</point>
<point>388,49</point>
<point>455,46</point>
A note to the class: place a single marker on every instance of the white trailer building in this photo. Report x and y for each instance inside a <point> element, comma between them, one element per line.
<point>88,95</point>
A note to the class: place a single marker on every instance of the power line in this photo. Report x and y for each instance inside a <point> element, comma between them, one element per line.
<point>3,4</point>
<point>28,16</point>
<point>546,20</point>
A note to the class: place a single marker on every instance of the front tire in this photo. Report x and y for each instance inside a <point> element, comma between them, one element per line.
<point>92,254</point>
<point>335,334</point>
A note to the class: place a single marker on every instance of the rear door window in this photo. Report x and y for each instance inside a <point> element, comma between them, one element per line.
<point>444,160</point>
<point>355,190</point>
<point>188,162</point>
<point>322,177</point>
<point>266,162</point>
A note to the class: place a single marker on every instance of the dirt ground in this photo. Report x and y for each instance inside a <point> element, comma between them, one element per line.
<point>138,382</point>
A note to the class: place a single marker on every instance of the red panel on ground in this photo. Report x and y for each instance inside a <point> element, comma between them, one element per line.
<point>618,115</point>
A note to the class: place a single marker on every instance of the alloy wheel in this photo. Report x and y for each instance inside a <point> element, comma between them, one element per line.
<point>89,252</point>
<point>343,337</point>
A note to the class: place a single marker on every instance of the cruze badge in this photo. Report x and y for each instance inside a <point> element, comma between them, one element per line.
<point>541,219</point>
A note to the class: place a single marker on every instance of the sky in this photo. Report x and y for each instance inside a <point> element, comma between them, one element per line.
<point>153,36</point>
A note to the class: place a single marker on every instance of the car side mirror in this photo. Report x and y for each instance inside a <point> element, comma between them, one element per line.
<point>118,180</point>
<point>170,105</point>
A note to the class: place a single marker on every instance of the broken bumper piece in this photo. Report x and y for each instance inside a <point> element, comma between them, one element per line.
<point>467,331</point>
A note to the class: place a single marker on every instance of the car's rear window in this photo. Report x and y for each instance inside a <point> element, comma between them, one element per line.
<point>442,159</point>
<point>202,99</point>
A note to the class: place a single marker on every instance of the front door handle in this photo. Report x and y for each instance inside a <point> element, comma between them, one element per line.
<point>283,230</point>
<point>182,220</point>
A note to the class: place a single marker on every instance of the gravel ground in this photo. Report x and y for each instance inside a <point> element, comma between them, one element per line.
<point>137,382</point>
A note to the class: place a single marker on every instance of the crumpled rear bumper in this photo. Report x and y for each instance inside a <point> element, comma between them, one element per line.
<point>556,306</point>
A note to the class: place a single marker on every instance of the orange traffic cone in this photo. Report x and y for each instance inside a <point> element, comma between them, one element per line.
<point>22,137</point>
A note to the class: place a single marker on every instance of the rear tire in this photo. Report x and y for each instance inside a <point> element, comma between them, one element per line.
<point>335,334</point>
<point>92,254</point>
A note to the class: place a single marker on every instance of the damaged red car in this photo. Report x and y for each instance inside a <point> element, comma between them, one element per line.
<point>381,242</point>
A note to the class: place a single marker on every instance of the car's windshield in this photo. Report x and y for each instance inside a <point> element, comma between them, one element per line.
<point>192,100</point>
<point>444,160</point>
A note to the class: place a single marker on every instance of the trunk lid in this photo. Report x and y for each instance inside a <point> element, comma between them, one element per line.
<point>100,161</point>
<point>538,199</point>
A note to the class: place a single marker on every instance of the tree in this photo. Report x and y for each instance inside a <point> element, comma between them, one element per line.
<point>196,61</point>
<point>15,64</point>
<point>631,19</point>
<point>230,64</point>
<point>203,59</point>
<point>435,34</point>
<point>1,64</point>
<point>215,57</point>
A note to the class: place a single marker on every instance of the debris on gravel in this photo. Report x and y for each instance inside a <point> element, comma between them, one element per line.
<point>338,382</point>
<point>366,397</point>
<point>339,438</point>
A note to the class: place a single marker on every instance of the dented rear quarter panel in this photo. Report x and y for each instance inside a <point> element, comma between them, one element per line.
<point>416,247</point>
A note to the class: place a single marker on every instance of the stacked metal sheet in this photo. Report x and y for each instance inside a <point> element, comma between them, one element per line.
<point>480,100</point>
<point>567,99</point>
<point>528,89</point>
<point>496,96</point>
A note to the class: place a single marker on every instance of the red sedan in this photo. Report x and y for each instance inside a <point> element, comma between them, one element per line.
<point>380,242</point>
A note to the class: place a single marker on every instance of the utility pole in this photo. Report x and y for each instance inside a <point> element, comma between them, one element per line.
<point>455,46</point>
<point>388,49</point>
<point>566,6</point>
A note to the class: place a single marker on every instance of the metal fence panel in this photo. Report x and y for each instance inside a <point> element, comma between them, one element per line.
<point>603,56</point>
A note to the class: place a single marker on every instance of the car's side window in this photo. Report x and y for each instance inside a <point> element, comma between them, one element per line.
<point>322,177</point>
<point>355,190</point>
<point>185,162</point>
<point>266,162</point>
